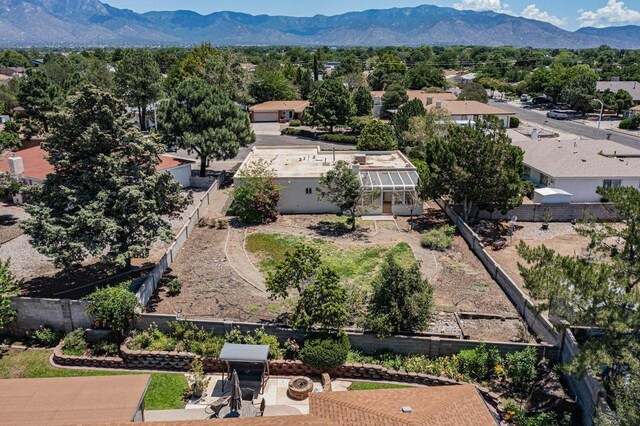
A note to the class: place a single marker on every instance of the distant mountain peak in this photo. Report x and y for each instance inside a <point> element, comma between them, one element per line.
<point>90,22</point>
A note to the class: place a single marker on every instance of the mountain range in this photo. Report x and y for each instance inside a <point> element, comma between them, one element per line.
<point>92,23</point>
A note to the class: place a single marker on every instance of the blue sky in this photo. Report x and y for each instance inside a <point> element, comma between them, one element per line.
<point>570,14</point>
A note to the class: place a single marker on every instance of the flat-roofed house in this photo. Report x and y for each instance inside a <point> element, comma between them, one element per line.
<point>580,167</point>
<point>388,175</point>
<point>277,111</point>
<point>472,111</point>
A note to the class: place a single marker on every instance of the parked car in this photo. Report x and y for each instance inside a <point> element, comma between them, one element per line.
<point>560,114</point>
<point>524,98</point>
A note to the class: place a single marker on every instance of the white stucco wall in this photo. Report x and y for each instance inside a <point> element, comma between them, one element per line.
<point>584,190</point>
<point>295,200</point>
<point>182,174</point>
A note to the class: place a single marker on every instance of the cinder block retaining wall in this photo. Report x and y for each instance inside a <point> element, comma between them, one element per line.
<point>558,212</point>
<point>60,314</point>
<point>367,343</point>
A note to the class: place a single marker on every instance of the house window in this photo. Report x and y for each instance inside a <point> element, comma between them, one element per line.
<point>611,183</point>
<point>309,191</point>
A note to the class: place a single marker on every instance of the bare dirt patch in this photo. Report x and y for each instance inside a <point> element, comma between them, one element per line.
<point>508,330</point>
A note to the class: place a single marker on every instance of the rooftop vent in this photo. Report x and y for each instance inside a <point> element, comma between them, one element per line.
<point>407,410</point>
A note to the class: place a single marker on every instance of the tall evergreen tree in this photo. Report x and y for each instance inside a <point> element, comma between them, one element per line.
<point>393,97</point>
<point>377,136</point>
<point>139,81</point>
<point>363,101</point>
<point>39,96</point>
<point>401,119</point>
<point>201,118</point>
<point>104,197</point>
<point>331,104</point>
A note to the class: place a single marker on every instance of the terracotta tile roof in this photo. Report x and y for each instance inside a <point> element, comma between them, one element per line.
<point>37,167</point>
<point>273,106</point>
<point>71,400</point>
<point>470,108</point>
<point>459,405</point>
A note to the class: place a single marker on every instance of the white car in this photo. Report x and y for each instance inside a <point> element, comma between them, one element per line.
<point>559,114</point>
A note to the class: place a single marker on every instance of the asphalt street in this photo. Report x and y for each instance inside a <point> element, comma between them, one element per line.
<point>568,126</point>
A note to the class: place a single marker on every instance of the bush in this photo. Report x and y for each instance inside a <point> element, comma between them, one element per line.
<point>346,139</point>
<point>12,127</point>
<point>439,239</point>
<point>294,131</point>
<point>152,339</point>
<point>631,123</point>
<point>45,337</point>
<point>107,348</point>
<point>259,337</point>
<point>325,352</point>
<point>514,123</point>
<point>479,363</point>
<point>256,201</point>
<point>74,343</point>
<point>521,369</point>
<point>295,123</point>
<point>114,308</point>
<point>358,123</point>
<point>174,287</point>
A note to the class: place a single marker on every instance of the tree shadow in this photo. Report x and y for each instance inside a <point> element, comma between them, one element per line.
<point>8,220</point>
<point>76,283</point>
<point>161,291</point>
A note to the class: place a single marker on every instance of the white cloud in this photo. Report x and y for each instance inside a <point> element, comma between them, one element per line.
<point>613,13</point>
<point>532,12</point>
<point>495,5</point>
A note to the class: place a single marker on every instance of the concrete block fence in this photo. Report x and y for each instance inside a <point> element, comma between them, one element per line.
<point>558,212</point>
<point>61,314</point>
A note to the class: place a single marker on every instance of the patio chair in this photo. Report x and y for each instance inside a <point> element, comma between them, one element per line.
<point>248,394</point>
<point>217,405</point>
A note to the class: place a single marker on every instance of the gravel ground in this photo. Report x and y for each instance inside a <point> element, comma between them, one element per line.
<point>444,323</point>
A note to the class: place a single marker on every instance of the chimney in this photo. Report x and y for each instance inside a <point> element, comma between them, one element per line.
<point>534,135</point>
<point>429,100</point>
<point>16,166</point>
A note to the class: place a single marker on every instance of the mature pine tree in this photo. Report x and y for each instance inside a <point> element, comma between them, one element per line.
<point>200,118</point>
<point>104,197</point>
<point>38,96</point>
<point>393,97</point>
<point>331,104</point>
<point>401,119</point>
<point>139,81</point>
<point>478,168</point>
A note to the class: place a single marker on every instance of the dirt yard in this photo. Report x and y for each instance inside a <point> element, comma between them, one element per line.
<point>232,287</point>
<point>561,237</point>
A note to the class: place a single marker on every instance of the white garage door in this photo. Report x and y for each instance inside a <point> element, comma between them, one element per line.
<point>262,117</point>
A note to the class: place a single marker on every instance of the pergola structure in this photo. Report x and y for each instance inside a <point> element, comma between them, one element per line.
<point>250,361</point>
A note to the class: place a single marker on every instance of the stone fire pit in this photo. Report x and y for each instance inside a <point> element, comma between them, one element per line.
<point>300,388</point>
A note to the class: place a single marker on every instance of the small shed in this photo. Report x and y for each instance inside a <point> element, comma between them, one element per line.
<point>251,362</point>
<point>551,196</point>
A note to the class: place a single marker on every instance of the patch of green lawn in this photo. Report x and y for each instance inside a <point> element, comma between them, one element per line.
<point>164,393</point>
<point>357,264</point>
<point>357,386</point>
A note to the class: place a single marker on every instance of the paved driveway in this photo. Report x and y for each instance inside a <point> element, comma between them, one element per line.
<point>272,129</point>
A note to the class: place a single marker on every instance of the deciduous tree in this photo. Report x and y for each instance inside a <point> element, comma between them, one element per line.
<point>363,101</point>
<point>377,136</point>
<point>401,119</point>
<point>331,104</point>
<point>104,197</point>
<point>474,92</point>
<point>425,75</point>
<point>271,85</point>
<point>200,118</point>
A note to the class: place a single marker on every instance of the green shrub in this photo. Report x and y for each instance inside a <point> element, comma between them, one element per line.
<point>74,343</point>
<point>114,308</point>
<point>325,352</point>
<point>517,416</point>
<point>358,123</point>
<point>521,369</point>
<point>439,239</point>
<point>295,123</point>
<point>256,201</point>
<point>210,346</point>
<point>106,347</point>
<point>174,287</point>
<point>631,123</point>
<point>152,339</point>
<point>479,363</point>
<point>258,337</point>
<point>45,337</point>
<point>295,131</point>
<point>514,123</point>
<point>347,139</point>
<point>12,127</point>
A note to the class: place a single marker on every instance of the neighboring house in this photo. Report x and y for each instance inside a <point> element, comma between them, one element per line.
<point>4,79</point>
<point>469,112</point>
<point>467,78</point>
<point>388,175</point>
<point>426,98</point>
<point>13,71</point>
<point>277,111</point>
<point>31,166</point>
<point>635,110</point>
<point>249,67</point>
<point>580,167</point>
<point>633,87</point>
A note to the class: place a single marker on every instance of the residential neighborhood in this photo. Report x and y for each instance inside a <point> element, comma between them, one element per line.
<point>344,234</point>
